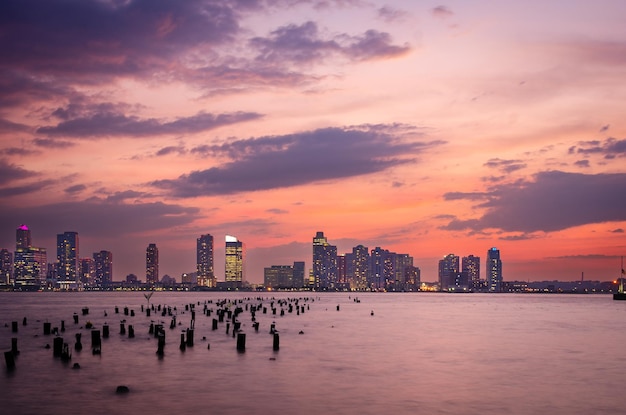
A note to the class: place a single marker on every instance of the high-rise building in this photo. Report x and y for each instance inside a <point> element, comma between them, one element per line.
<point>67,257</point>
<point>234,261</point>
<point>358,267</point>
<point>103,268</point>
<point>87,271</point>
<point>278,276</point>
<point>298,274</point>
<point>152,264</point>
<point>22,237</point>
<point>494,271</point>
<point>324,263</point>
<point>448,271</point>
<point>30,268</point>
<point>204,261</point>
<point>471,266</point>
<point>6,267</point>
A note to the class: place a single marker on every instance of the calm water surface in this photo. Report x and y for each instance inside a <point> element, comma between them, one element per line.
<point>420,353</point>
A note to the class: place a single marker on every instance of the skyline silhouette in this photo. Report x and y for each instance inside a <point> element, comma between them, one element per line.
<point>425,128</point>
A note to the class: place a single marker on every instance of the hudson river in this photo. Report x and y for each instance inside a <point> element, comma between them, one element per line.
<point>423,353</point>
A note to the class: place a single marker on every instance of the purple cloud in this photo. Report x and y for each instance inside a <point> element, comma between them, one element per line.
<point>505,166</point>
<point>291,160</point>
<point>555,200</point>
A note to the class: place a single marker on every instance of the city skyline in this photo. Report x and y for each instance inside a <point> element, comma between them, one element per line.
<point>422,127</point>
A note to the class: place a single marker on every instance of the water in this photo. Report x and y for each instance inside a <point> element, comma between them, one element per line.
<point>420,353</point>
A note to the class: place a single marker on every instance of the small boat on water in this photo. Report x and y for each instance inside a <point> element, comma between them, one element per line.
<point>620,295</point>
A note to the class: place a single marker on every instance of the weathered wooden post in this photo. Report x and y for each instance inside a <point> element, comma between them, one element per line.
<point>131,331</point>
<point>57,346</point>
<point>161,343</point>
<point>276,344</point>
<point>122,328</point>
<point>75,318</point>
<point>241,342</point>
<point>14,326</point>
<point>96,342</point>
<point>14,346</point>
<point>78,346</point>
<point>183,344</point>
<point>189,337</point>
<point>46,328</point>
<point>9,360</point>
<point>214,324</point>
<point>105,331</point>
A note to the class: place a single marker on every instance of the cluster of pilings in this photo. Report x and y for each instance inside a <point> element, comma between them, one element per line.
<point>228,312</point>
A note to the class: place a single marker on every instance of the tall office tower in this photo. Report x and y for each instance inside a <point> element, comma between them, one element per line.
<point>412,277</point>
<point>324,263</point>
<point>494,271</point>
<point>204,261</point>
<point>448,270</point>
<point>358,267</point>
<point>234,265</point>
<point>30,268</point>
<point>379,267</point>
<point>298,274</point>
<point>22,237</point>
<point>6,267</point>
<point>278,276</point>
<point>87,272</point>
<point>152,264</point>
<point>402,263</point>
<point>341,271</point>
<point>103,264</point>
<point>471,266</point>
<point>67,256</point>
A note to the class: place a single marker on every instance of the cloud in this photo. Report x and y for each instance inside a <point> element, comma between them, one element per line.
<point>303,44</point>
<point>610,148</point>
<point>442,12</point>
<point>554,201</point>
<point>52,143</point>
<point>109,123</point>
<point>582,163</point>
<point>277,211</point>
<point>171,150</point>
<point>109,37</point>
<point>390,14</point>
<point>291,160</point>
<point>7,126</point>
<point>506,166</point>
<point>17,151</point>
<point>10,172</point>
<point>77,188</point>
<point>617,230</point>
<point>99,218</point>
<point>26,188</point>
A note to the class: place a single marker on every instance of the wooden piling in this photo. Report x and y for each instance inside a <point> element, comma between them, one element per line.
<point>14,326</point>
<point>9,359</point>
<point>105,331</point>
<point>14,346</point>
<point>241,342</point>
<point>46,328</point>
<point>57,346</point>
<point>131,331</point>
<point>276,344</point>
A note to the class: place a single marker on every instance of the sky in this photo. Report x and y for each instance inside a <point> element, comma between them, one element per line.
<point>422,127</point>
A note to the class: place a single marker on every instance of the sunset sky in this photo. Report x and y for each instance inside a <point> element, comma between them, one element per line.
<point>422,127</point>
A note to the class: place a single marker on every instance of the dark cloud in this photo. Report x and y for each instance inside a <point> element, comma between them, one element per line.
<point>170,150</point>
<point>555,200</point>
<point>118,197</point>
<point>25,188</point>
<point>505,166</point>
<point>52,143</point>
<point>291,160</point>
<point>17,151</point>
<point>102,122</point>
<point>7,126</point>
<point>99,218</point>
<point>610,148</point>
<point>582,163</point>
<point>304,44</point>
<point>70,38</point>
<point>617,230</point>
<point>77,188</point>
<point>465,196</point>
<point>442,12</point>
<point>10,172</point>
<point>605,128</point>
<point>277,211</point>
